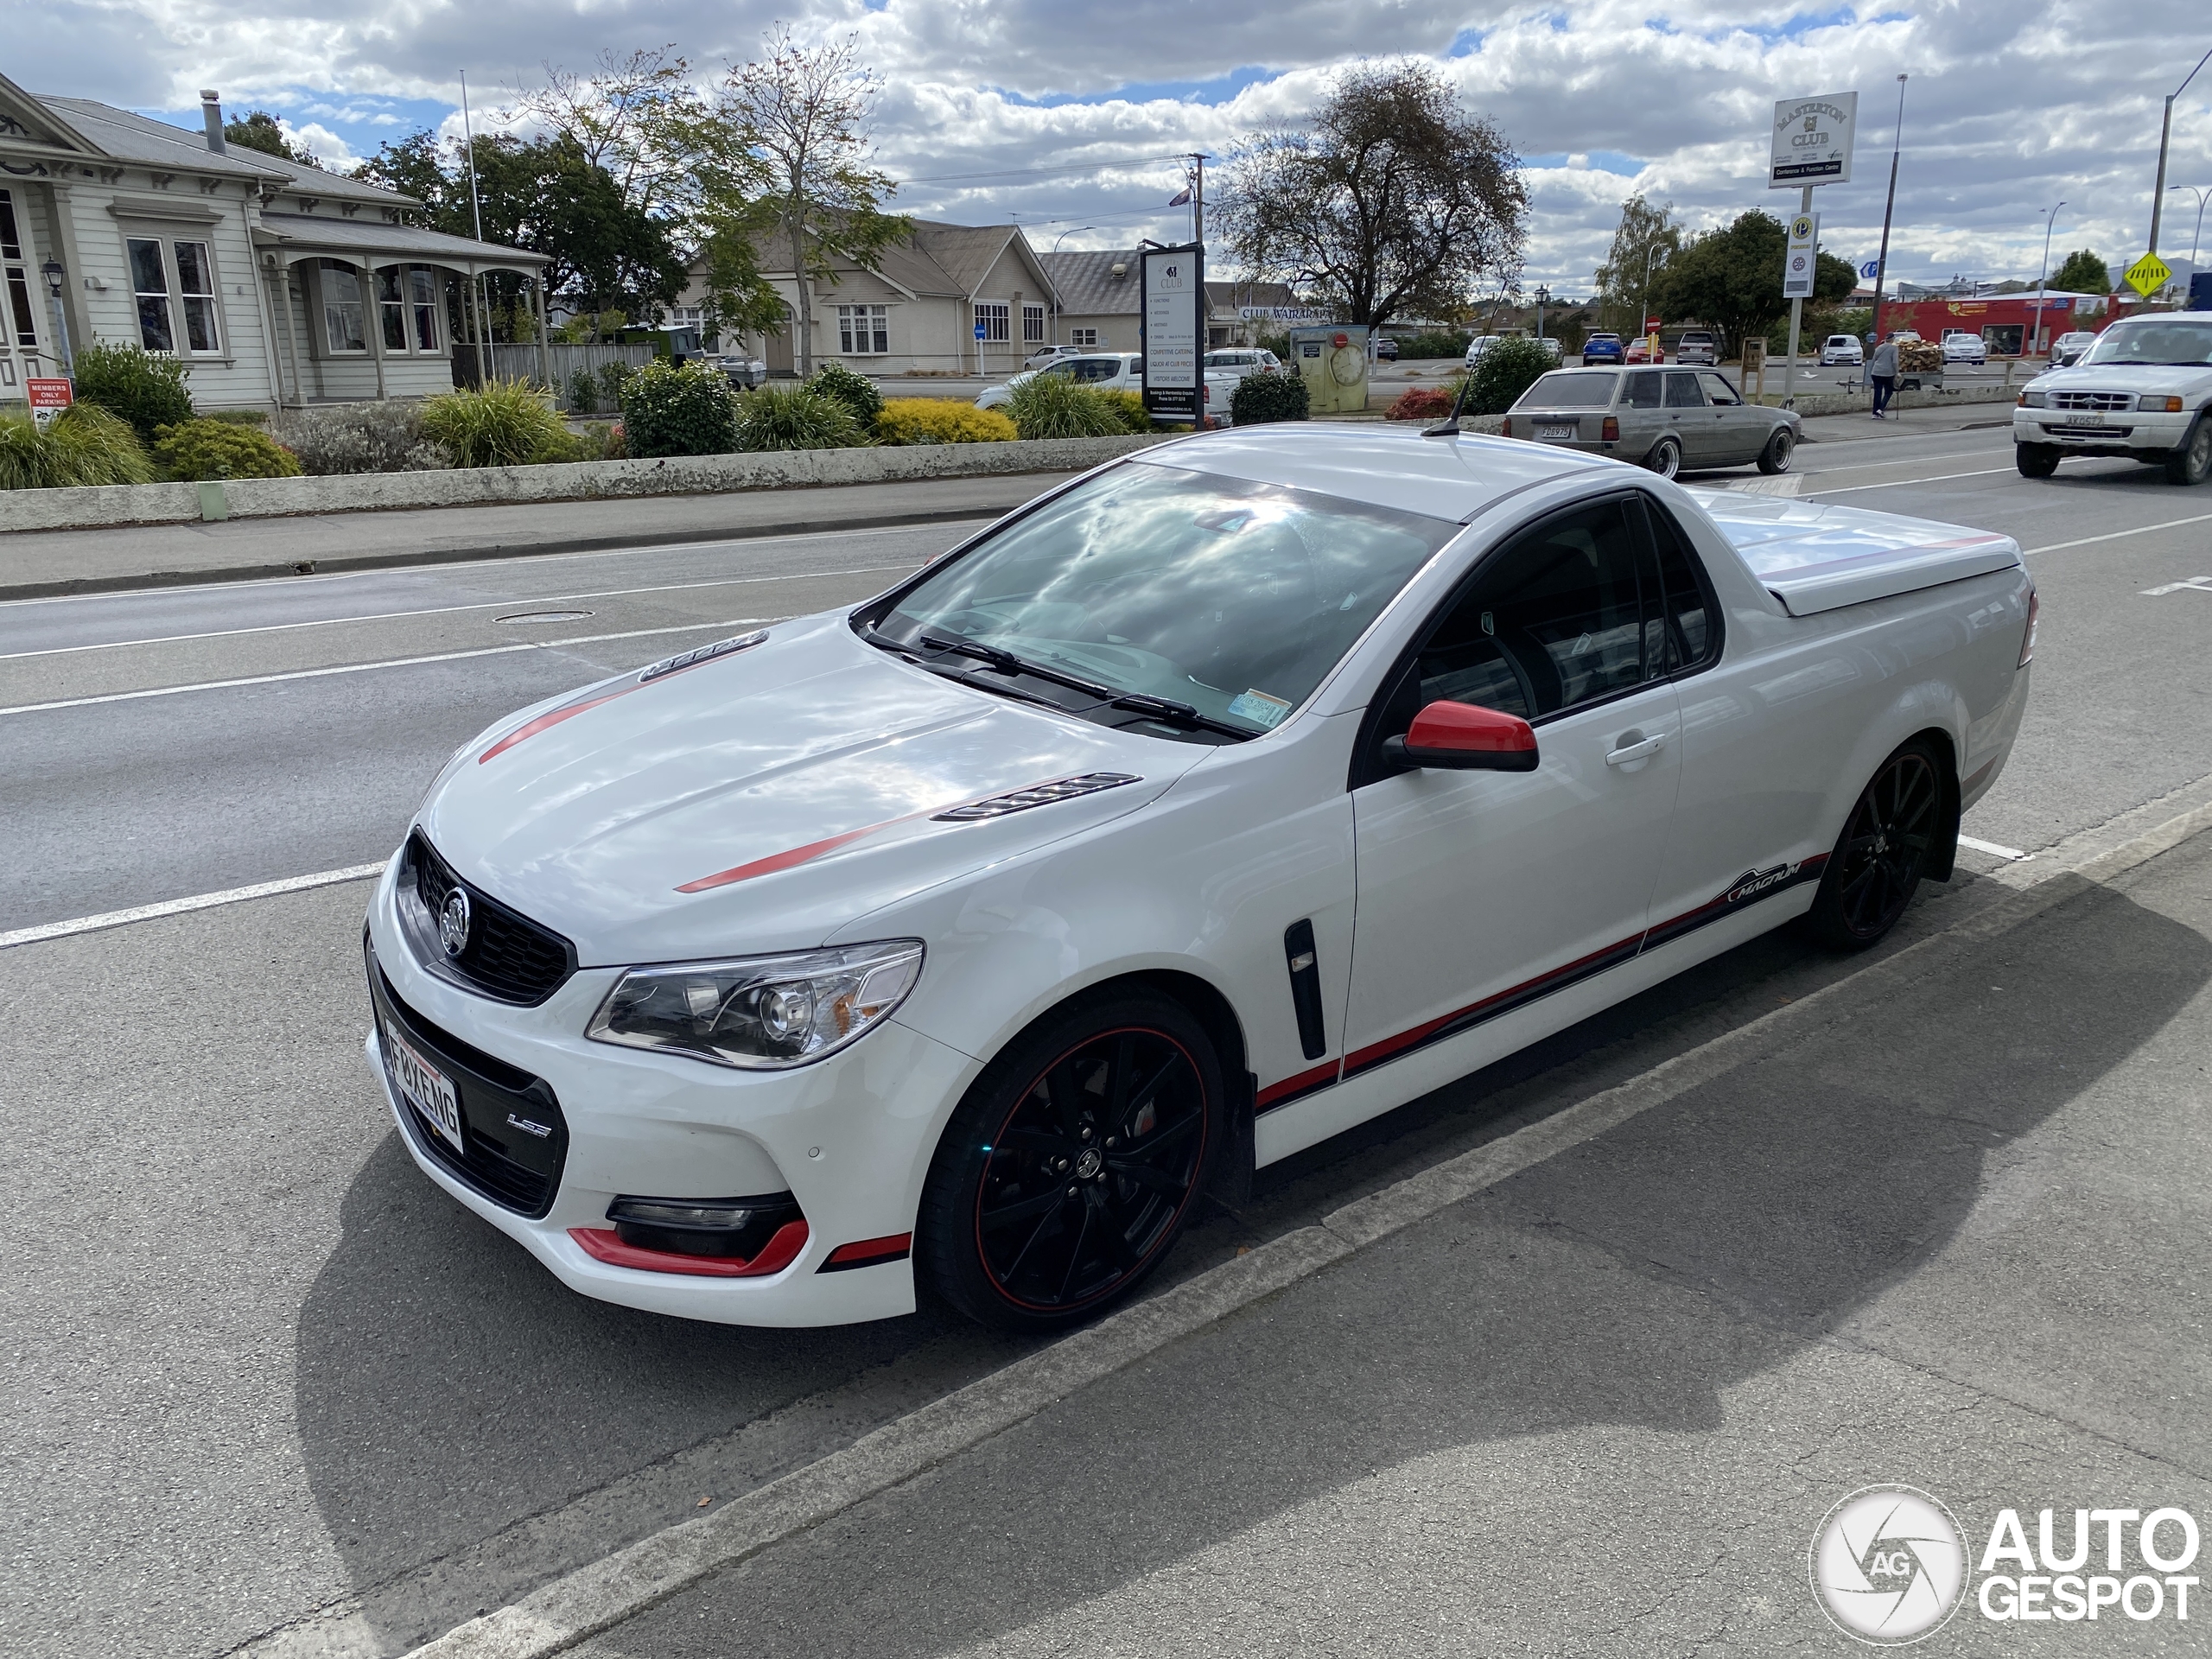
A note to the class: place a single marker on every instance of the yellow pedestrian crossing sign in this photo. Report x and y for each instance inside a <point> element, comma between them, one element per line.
<point>2148,274</point>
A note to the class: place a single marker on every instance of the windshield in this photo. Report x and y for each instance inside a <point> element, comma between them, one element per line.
<point>1231,597</point>
<point>2153,339</point>
<point>1570,389</point>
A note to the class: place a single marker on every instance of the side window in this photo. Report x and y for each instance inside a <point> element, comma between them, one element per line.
<point>1556,621</point>
<point>1642,391</point>
<point>1682,392</point>
<point>1688,621</point>
<point>1717,389</point>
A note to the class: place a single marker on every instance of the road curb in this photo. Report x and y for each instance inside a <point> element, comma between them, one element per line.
<point>489,550</point>
<point>594,1598</point>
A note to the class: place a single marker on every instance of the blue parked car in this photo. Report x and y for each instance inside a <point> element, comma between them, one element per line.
<point>1602,348</point>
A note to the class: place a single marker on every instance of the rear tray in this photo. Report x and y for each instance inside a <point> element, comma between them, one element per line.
<point>1816,558</point>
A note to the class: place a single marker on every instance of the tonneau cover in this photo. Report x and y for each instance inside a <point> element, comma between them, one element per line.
<point>1815,558</point>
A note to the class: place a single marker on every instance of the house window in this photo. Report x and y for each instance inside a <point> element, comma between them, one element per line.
<point>21,315</point>
<point>992,315</point>
<point>392,307</point>
<point>1033,324</point>
<point>150,281</point>
<point>1087,338</point>
<point>863,330</point>
<point>341,307</point>
<point>195,286</point>
<point>423,290</point>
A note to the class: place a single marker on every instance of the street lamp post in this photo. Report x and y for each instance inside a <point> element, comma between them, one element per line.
<point>1077,231</point>
<point>2050,220</point>
<point>2166,133</point>
<point>53,272</point>
<point>1643,318</point>
<point>2200,194</point>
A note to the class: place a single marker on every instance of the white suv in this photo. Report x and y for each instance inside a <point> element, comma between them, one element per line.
<point>1842,349</point>
<point>2144,389</point>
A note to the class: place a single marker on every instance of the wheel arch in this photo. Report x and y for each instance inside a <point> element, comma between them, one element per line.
<point>1942,857</point>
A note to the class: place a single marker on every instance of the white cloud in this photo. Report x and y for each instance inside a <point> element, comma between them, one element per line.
<point>2009,108</point>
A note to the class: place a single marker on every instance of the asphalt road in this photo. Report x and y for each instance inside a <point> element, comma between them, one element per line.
<point>266,1386</point>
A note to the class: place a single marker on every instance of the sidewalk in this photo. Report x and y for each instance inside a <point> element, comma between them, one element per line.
<point>1601,1408</point>
<point>1857,425</point>
<point>40,563</point>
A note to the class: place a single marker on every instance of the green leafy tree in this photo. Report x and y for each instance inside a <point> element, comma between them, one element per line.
<point>1390,201</point>
<point>796,122</point>
<point>1644,240</point>
<point>258,129</point>
<point>2084,273</point>
<point>1731,279</point>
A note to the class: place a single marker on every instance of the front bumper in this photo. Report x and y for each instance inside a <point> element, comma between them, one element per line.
<point>2119,433</point>
<point>850,1138</point>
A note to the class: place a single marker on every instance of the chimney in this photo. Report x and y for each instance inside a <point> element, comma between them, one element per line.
<point>211,111</point>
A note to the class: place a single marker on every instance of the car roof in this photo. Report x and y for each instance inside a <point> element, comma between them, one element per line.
<point>1451,478</point>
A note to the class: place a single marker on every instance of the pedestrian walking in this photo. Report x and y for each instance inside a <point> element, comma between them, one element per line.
<point>1882,370</point>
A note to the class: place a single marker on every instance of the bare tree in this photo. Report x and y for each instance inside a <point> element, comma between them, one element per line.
<point>1391,201</point>
<point>803,112</point>
<point>633,117</point>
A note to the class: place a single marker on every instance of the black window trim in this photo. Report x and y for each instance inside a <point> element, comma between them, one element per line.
<point>1367,764</point>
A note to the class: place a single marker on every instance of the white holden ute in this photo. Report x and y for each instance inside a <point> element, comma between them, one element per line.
<point>2143,391</point>
<point>1212,803</point>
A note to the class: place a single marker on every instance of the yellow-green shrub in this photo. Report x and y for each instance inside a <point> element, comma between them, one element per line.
<point>84,445</point>
<point>207,448</point>
<point>1130,406</point>
<point>940,420</point>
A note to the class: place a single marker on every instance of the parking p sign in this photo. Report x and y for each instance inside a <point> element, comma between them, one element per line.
<point>1800,262</point>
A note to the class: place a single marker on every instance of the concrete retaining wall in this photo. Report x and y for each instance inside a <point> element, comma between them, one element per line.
<point>1810,404</point>
<point>108,505</point>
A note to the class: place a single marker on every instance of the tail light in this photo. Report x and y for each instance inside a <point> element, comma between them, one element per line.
<point>1506,431</point>
<point>1611,431</point>
<point>2028,640</point>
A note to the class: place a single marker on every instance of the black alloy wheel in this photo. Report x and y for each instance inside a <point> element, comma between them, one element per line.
<point>1884,847</point>
<point>2036,460</point>
<point>1666,457</point>
<point>1775,458</point>
<point>2192,462</point>
<point>1073,1164</point>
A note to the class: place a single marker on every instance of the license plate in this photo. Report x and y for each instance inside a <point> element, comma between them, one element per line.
<point>2083,417</point>
<point>425,1088</point>
<point>1558,433</point>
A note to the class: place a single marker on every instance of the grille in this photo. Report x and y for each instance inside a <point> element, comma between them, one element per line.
<point>508,955</point>
<point>511,1169</point>
<point>2106,401</point>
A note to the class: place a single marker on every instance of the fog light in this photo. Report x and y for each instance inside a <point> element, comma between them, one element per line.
<point>720,1227</point>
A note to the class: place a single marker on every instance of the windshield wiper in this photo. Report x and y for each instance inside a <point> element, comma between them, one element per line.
<point>1005,662</point>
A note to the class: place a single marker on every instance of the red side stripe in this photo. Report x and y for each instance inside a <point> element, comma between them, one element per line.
<point>1361,1059</point>
<point>869,1249</point>
<point>1274,1092</point>
<point>604,1244</point>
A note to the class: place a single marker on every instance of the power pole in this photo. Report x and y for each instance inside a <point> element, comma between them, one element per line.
<point>476,205</point>
<point>1198,199</point>
<point>2166,133</point>
<point>1881,259</point>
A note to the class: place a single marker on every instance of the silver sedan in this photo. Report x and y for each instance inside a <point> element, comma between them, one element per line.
<point>1668,420</point>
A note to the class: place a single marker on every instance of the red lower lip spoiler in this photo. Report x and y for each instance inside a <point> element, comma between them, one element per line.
<point>604,1244</point>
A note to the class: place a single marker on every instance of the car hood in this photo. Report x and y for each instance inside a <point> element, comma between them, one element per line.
<point>761,800</point>
<point>2125,376</point>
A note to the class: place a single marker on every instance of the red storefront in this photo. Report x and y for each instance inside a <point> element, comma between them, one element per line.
<point>2007,323</point>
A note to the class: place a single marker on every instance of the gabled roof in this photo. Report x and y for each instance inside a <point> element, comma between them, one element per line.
<point>1090,288</point>
<point>119,135</point>
<point>347,236</point>
<point>947,261</point>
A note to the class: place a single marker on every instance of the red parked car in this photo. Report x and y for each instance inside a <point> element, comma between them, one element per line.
<point>1639,351</point>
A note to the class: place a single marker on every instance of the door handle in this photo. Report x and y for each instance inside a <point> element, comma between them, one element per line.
<point>1641,749</point>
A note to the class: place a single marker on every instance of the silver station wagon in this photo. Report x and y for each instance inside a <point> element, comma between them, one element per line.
<point>1670,420</point>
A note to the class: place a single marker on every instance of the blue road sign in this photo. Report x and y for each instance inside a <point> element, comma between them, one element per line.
<point>979,331</point>
<point>1871,270</point>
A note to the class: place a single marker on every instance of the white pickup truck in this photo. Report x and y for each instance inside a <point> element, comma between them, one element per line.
<point>1225,370</point>
<point>2144,391</point>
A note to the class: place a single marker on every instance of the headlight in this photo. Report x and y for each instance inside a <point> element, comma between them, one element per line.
<point>2034,399</point>
<point>760,1014</point>
<point>2159,404</point>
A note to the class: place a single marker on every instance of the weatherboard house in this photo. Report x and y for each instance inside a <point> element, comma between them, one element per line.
<point>279,284</point>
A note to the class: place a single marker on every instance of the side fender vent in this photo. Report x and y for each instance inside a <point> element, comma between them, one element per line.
<point>1305,987</point>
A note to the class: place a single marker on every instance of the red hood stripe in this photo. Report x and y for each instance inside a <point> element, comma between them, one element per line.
<point>546,723</point>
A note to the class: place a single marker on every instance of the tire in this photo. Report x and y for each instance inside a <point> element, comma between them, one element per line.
<point>1036,1174</point>
<point>2191,463</point>
<point>1666,457</point>
<point>2036,460</point>
<point>1775,458</point>
<point>1879,857</point>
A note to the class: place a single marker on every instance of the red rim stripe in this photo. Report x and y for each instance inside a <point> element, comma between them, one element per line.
<point>604,1244</point>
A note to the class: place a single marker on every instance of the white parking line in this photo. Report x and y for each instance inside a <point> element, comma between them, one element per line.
<point>1992,848</point>
<point>2122,535</point>
<point>364,667</point>
<point>444,610</point>
<point>179,906</point>
<point>1907,483</point>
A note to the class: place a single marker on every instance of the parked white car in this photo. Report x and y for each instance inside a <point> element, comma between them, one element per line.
<point>2069,348</point>
<point>1044,355</point>
<point>1961,346</point>
<point>1225,370</point>
<point>1106,371</point>
<point>1478,345</point>
<point>1224,798</point>
<point>1842,350</point>
<point>2143,390</point>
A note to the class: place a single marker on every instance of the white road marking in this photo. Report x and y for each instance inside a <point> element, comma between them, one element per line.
<point>442,610</point>
<point>364,667</point>
<point>2122,535</point>
<point>179,906</point>
<point>1907,483</point>
<point>1992,848</point>
<point>587,1600</point>
<point>2195,584</point>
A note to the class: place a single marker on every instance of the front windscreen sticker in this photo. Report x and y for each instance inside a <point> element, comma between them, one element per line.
<point>1260,708</point>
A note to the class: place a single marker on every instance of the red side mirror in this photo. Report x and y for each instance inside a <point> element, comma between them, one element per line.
<point>1459,736</point>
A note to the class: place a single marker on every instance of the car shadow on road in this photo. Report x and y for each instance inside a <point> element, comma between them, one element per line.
<point>1633,1281</point>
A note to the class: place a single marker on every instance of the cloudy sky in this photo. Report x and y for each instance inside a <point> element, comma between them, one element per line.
<point>2011,108</point>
